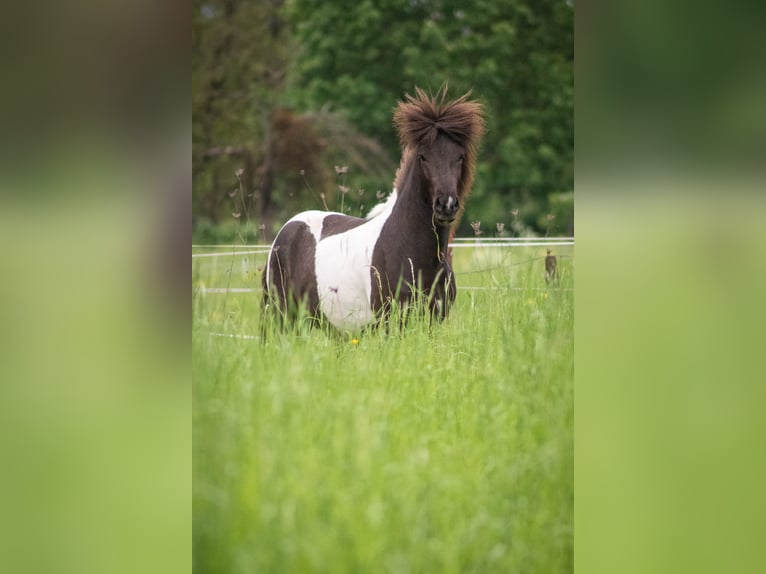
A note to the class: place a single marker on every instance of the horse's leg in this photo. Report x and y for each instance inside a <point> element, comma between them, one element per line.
<point>442,294</point>
<point>272,313</point>
<point>266,318</point>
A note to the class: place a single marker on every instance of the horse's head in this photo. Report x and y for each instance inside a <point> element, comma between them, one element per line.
<point>441,166</point>
<point>439,138</point>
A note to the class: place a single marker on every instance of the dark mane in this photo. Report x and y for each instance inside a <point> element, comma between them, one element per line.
<point>419,120</point>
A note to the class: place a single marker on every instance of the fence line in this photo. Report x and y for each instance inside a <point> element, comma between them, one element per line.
<point>266,246</point>
<point>454,240</point>
<point>232,336</point>
<point>530,244</point>
<point>512,239</point>
<point>226,290</point>
<point>258,252</point>
<point>458,242</point>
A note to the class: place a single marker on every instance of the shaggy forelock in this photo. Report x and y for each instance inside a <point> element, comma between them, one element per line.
<point>420,118</point>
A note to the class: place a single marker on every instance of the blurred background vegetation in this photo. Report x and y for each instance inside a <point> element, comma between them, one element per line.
<point>286,93</point>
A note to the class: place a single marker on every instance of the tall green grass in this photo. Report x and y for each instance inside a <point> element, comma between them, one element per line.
<point>438,449</point>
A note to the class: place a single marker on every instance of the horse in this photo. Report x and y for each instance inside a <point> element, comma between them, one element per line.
<point>350,270</point>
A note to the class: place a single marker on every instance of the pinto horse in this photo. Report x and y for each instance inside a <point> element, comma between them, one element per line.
<point>349,270</point>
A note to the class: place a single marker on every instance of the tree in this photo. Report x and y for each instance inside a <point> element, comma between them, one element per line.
<point>240,54</point>
<point>255,155</point>
<point>361,57</point>
<point>285,91</point>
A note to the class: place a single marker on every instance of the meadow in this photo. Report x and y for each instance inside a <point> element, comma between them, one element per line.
<point>442,448</point>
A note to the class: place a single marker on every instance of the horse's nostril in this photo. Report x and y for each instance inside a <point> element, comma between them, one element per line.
<point>448,204</point>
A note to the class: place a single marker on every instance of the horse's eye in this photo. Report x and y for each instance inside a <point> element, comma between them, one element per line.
<point>421,157</point>
<point>461,158</point>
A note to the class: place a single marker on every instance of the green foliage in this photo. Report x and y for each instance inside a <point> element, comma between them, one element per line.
<point>517,57</point>
<point>441,449</point>
<point>561,211</point>
<point>240,54</point>
<point>348,63</point>
<point>206,232</point>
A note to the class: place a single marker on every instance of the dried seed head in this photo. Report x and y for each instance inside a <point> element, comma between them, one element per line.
<point>341,170</point>
<point>239,172</point>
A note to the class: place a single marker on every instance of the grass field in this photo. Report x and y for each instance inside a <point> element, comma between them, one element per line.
<point>443,450</point>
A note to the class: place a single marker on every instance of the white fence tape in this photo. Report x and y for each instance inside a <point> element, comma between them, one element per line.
<point>530,244</point>
<point>511,239</point>
<point>459,242</point>
<point>257,252</point>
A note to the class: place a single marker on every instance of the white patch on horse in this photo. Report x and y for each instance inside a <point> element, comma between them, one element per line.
<point>314,219</point>
<point>342,266</point>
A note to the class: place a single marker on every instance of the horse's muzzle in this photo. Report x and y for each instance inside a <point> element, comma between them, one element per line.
<point>446,208</point>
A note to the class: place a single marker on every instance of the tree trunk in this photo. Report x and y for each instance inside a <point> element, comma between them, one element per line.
<point>266,186</point>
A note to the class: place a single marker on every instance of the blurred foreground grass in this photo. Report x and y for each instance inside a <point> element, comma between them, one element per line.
<point>448,451</point>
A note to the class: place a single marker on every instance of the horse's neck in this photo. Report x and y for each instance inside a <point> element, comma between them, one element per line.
<point>416,220</point>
